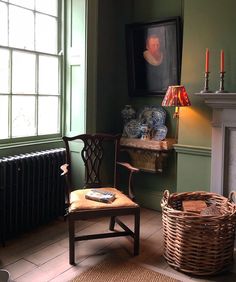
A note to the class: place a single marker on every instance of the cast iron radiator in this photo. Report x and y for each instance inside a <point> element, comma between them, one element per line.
<point>31,191</point>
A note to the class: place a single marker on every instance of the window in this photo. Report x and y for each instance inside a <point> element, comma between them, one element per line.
<point>30,68</point>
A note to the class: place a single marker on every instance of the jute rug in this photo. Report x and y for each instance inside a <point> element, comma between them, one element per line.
<point>108,270</point>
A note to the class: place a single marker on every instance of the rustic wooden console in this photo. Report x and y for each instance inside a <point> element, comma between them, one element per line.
<point>148,155</point>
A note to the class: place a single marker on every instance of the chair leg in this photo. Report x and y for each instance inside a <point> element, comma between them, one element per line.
<point>136,232</point>
<point>112,223</point>
<point>71,241</point>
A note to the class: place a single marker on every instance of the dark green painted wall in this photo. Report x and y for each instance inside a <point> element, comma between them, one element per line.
<point>146,11</point>
<point>150,187</point>
<point>106,40</point>
<point>206,24</point>
<point>112,92</point>
<point>111,63</point>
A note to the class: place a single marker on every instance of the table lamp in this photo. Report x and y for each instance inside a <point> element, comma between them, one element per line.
<point>176,96</point>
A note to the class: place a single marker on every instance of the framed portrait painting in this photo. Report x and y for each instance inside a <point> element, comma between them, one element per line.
<point>153,56</point>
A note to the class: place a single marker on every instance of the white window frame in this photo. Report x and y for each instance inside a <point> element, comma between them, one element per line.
<point>47,137</point>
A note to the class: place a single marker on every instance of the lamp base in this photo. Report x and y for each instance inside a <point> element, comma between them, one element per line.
<point>176,117</point>
<point>176,113</point>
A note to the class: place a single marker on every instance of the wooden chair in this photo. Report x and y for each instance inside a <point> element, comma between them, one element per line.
<point>93,155</point>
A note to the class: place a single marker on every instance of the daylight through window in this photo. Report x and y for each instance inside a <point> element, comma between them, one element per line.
<point>30,98</point>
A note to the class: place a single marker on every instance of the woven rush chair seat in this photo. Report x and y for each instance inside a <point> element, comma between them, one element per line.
<point>198,243</point>
<point>99,154</point>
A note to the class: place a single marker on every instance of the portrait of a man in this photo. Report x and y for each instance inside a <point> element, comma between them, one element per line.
<point>153,54</point>
<point>153,57</point>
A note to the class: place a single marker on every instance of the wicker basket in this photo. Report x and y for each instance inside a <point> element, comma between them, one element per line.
<point>197,244</point>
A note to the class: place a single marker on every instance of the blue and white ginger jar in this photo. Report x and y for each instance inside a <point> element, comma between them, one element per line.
<point>128,113</point>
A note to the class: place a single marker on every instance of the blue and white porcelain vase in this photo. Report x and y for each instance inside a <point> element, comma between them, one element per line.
<point>144,131</point>
<point>128,113</point>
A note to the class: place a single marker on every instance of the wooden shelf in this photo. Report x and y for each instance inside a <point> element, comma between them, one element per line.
<point>148,155</point>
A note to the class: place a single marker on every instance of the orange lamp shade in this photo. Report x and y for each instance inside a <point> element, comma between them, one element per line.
<point>176,96</point>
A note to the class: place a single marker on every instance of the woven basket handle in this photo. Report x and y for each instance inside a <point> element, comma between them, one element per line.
<point>165,198</point>
<point>232,197</point>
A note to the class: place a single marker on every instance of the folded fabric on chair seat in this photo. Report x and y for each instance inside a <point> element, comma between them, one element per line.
<point>79,202</point>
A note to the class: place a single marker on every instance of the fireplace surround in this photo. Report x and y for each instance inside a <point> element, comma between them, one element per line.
<point>223,160</point>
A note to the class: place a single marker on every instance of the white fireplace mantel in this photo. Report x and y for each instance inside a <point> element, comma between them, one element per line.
<point>219,100</point>
<point>223,162</point>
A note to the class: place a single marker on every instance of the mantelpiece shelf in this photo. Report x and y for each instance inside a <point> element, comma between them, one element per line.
<point>219,100</point>
<point>148,155</point>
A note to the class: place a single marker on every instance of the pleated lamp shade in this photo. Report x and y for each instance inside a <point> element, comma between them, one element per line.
<point>177,96</point>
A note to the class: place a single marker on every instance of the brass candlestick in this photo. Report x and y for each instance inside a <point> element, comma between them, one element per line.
<point>206,88</point>
<point>222,90</point>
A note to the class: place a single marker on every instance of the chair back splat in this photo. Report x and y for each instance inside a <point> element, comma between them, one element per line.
<point>92,155</point>
<point>100,155</point>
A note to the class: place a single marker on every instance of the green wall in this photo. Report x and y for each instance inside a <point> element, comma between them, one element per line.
<point>150,187</point>
<point>111,63</point>
<point>206,24</point>
<point>111,82</point>
<point>146,11</point>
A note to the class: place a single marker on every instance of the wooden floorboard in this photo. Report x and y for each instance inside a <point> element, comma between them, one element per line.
<point>42,255</point>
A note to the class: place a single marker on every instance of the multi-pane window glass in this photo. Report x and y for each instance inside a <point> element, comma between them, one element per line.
<point>48,84</point>
<point>46,30</point>
<point>4,70</point>
<point>23,116</point>
<point>3,24</point>
<point>48,111</point>
<point>23,73</point>
<point>4,117</point>
<point>30,97</point>
<point>24,3</point>
<point>20,20</point>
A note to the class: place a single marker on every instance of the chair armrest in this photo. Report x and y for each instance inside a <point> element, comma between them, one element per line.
<point>64,168</point>
<point>131,170</point>
<point>128,166</point>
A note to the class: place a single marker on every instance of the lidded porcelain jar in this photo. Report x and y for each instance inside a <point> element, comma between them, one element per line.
<point>144,131</point>
<point>128,113</point>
